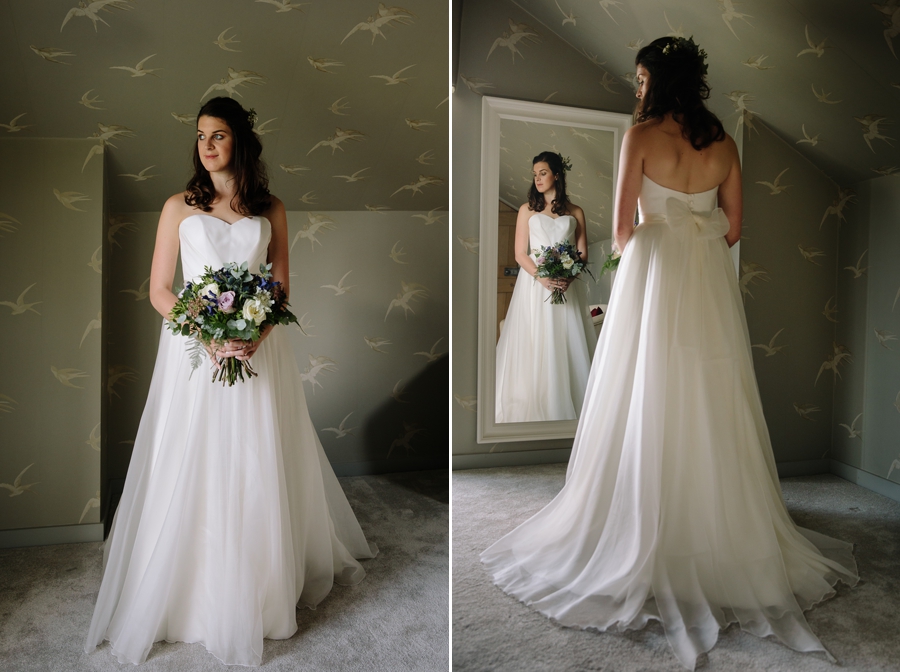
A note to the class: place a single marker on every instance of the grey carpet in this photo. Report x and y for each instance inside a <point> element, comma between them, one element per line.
<point>493,632</point>
<point>395,620</point>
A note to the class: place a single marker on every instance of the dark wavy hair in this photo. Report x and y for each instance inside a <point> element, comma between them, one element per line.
<point>536,201</point>
<point>678,85</point>
<point>251,188</point>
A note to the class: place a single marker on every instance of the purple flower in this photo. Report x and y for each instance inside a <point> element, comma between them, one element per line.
<point>226,302</point>
<point>541,260</point>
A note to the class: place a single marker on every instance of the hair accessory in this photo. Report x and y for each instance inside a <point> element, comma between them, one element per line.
<point>688,47</point>
<point>252,117</point>
<point>566,162</point>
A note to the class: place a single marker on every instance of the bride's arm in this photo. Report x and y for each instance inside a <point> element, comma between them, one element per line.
<point>628,186</point>
<point>731,198</point>
<point>278,245</point>
<point>165,256</point>
<point>523,246</point>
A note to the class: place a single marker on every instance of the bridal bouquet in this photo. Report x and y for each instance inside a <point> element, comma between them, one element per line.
<point>562,260</point>
<point>229,303</point>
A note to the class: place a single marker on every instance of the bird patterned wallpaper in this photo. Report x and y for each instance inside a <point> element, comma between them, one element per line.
<point>353,115</point>
<point>351,96</point>
<point>867,400</point>
<point>51,284</point>
<point>824,76</point>
<point>823,352</point>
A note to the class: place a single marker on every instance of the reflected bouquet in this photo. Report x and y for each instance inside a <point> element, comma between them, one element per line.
<point>229,303</point>
<point>562,260</point>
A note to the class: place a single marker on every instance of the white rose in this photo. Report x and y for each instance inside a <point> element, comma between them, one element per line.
<point>568,263</point>
<point>211,288</point>
<point>254,310</point>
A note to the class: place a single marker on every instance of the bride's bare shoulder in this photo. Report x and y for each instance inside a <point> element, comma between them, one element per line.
<point>175,209</point>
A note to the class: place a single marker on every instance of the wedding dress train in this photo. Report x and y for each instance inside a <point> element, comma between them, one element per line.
<point>672,509</point>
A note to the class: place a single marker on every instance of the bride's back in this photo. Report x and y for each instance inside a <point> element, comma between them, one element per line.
<point>671,161</point>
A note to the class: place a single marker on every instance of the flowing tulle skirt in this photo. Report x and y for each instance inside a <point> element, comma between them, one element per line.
<point>672,509</point>
<point>231,514</point>
<point>544,354</point>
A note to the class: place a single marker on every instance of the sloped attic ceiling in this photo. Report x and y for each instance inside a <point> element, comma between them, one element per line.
<point>314,71</point>
<point>820,74</point>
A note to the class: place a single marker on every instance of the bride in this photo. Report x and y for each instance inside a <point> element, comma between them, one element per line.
<point>672,509</point>
<point>231,515</point>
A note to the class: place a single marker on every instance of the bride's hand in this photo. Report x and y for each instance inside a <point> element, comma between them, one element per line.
<point>239,349</point>
<point>551,284</point>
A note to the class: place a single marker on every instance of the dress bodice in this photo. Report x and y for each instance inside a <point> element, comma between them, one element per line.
<point>210,241</point>
<point>653,197</point>
<point>544,230</point>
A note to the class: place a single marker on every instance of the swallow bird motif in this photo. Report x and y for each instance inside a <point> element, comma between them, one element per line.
<point>66,376</point>
<point>756,62</point>
<point>852,431</point>
<point>223,41</point>
<point>20,306</point>
<point>771,349</point>
<point>817,49</point>
<point>340,288</point>
<point>858,270</point>
<point>51,54</point>
<point>776,187</point>
<point>376,343</point>
<point>870,124</point>
<point>823,97</point>
<point>13,127</point>
<point>139,70</point>
<point>141,176</point>
<point>409,431</point>
<point>316,223</point>
<point>317,365</point>
<point>68,198</point>
<point>432,355</point>
<point>341,431</point>
<point>17,488</point>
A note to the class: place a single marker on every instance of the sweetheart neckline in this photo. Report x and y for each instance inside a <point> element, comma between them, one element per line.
<point>683,193</point>
<point>553,218</point>
<point>219,219</point>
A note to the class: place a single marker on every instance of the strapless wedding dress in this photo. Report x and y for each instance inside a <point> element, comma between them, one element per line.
<point>544,352</point>
<point>672,509</point>
<point>231,514</point>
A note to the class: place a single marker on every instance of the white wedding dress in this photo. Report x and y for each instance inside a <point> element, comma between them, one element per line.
<point>231,514</point>
<point>672,509</point>
<point>544,352</point>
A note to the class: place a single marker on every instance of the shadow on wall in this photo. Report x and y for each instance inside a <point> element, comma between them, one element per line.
<point>410,432</point>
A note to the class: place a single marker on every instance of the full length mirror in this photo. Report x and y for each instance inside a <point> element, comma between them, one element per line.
<point>534,350</point>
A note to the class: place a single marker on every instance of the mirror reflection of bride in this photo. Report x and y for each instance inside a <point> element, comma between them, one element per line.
<point>545,349</point>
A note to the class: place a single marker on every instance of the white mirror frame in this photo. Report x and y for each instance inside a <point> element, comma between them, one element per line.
<point>492,111</point>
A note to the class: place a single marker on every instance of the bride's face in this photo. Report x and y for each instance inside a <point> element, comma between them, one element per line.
<point>214,143</point>
<point>543,176</point>
<point>643,79</point>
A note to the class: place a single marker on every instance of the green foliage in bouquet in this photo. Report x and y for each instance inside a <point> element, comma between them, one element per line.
<point>229,303</point>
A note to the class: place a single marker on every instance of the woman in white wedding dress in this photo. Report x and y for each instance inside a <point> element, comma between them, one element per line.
<point>672,509</point>
<point>231,515</point>
<point>544,352</point>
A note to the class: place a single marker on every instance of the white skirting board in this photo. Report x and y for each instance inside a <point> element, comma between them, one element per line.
<point>46,536</point>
